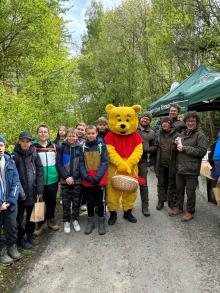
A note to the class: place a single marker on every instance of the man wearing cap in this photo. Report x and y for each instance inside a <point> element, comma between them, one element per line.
<point>166,164</point>
<point>30,170</point>
<point>149,148</point>
<point>9,190</point>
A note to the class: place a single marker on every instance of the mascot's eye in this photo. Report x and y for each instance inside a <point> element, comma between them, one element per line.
<point>127,120</point>
<point>119,120</point>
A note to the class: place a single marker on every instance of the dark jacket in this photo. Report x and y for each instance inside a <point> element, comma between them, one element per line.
<point>149,144</point>
<point>93,156</point>
<point>12,184</point>
<point>195,146</point>
<point>178,125</point>
<point>173,152</point>
<point>67,162</point>
<point>30,170</point>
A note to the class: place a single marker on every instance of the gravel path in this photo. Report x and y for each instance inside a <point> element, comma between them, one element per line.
<point>159,254</point>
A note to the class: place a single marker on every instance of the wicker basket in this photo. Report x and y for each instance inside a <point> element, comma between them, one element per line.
<point>124,183</point>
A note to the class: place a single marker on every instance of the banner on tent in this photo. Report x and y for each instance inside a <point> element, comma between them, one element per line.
<point>163,108</point>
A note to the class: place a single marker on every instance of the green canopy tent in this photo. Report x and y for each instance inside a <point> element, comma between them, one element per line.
<point>200,92</point>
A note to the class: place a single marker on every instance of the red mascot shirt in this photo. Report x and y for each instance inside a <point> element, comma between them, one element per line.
<point>124,144</point>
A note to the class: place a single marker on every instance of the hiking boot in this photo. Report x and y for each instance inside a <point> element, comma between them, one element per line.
<point>174,212</point>
<point>186,216</point>
<point>128,216</point>
<point>76,226</point>
<point>101,225</point>
<point>113,218</point>
<point>22,243</point>
<point>160,205</point>
<point>66,227</point>
<point>13,252</point>
<point>53,225</point>
<point>39,229</point>
<point>32,240</point>
<point>90,225</point>
<point>5,259</point>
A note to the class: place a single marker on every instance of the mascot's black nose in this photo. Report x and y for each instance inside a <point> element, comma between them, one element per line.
<point>122,126</point>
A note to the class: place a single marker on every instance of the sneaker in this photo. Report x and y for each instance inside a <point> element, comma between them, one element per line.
<point>66,227</point>
<point>24,244</point>
<point>174,212</point>
<point>83,208</point>
<point>186,216</point>
<point>31,239</point>
<point>39,229</point>
<point>52,225</point>
<point>76,226</point>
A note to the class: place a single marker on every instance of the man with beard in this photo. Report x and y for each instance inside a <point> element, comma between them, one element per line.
<point>166,164</point>
<point>149,148</point>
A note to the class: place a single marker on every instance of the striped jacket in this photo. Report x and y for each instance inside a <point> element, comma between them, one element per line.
<point>48,158</point>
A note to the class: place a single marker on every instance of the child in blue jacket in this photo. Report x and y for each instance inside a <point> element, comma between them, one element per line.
<point>9,191</point>
<point>67,163</point>
<point>93,167</point>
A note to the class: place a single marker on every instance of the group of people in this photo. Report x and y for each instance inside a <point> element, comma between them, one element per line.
<point>77,161</point>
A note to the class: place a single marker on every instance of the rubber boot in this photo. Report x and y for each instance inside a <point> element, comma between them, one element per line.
<point>13,252</point>
<point>101,225</point>
<point>113,218</point>
<point>128,216</point>
<point>145,210</point>
<point>90,225</point>
<point>5,259</point>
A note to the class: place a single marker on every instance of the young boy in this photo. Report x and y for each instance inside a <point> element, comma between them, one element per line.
<point>47,152</point>
<point>81,130</point>
<point>9,190</point>
<point>30,172</point>
<point>67,163</point>
<point>93,166</point>
<point>102,127</point>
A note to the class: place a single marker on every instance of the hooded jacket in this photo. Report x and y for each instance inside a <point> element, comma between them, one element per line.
<point>67,162</point>
<point>30,170</point>
<point>12,183</point>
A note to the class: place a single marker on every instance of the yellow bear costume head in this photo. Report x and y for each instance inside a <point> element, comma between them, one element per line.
<point>123,120</point>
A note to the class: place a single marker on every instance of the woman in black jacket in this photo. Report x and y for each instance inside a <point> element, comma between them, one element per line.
<point>30,172</point>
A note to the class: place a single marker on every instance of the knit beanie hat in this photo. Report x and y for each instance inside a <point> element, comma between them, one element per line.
<point>147,114</point>
<point>2,139</point>
<point>167,119</point>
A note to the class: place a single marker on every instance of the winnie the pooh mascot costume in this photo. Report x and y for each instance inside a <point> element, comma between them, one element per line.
<point>124,146</point>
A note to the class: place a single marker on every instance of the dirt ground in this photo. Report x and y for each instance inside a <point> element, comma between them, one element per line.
<point>157,254</point>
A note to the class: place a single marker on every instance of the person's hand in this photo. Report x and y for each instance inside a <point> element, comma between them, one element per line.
<point>89,179</point>
<point>95,180</point>
<point>180,147</point>
<point>40,196</point>
<point>70,180</point>
<point>4,206</point>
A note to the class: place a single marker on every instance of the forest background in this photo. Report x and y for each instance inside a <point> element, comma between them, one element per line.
<point>130,54</point>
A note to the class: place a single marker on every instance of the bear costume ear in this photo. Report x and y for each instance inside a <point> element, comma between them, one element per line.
<point>109,107</point>
<point>137,108</point>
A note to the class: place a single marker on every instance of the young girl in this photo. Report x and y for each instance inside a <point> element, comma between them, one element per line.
<point>68,168</point>
<point>61,135</point>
